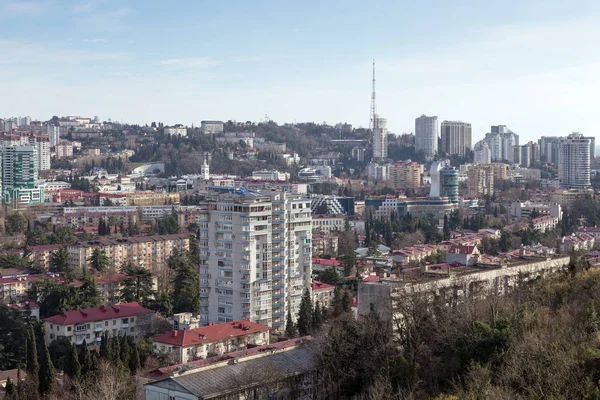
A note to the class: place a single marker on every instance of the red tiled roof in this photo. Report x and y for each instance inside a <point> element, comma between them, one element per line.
<point>209,334</point>
<point>371,278</point>
<point>23,306</point>
<point>318,285</point>
<point>324,261</point>
<point>98,314</point>
<point>456,249</point>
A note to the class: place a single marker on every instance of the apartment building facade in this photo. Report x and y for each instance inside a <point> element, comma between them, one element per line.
<point>426,135</point>
<point>456,138</point>
<point>89,324</point>
<point>145,251</point>
<point>256,252</point>
<point>405,175</point>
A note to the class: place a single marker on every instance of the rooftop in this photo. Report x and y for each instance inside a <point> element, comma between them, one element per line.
<point>101,313</point>
<point>209,334</point>
<point>318,285</point>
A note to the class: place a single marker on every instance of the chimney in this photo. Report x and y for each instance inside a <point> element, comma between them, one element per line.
<point>175,333</point>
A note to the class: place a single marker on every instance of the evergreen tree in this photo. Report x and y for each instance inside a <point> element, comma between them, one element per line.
<point>59,262</point>
<point>137,285</point>
<point>446,228</point>
<point>10,390</point>
<point>32,366</point>
<point>186,291</point>
<point>305,315</point>
<point>85,359</point>
<point>134,360</point>
<point>104,349</point>
<point>317,317</point>
<point>47,374</point>
<point>338,309</point>
<point>124,351</point>
<point>89,294</point>
<point>290,327</point>
<point>115,349</point>
<point>346,302</point>
<point>504,241</point>
<point>99,261</point>
<point>73,366</point>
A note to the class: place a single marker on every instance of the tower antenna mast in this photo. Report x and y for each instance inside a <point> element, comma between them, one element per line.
<point>373,103</point>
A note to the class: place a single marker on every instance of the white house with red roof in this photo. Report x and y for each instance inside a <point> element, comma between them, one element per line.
<point>322,292</point>
<point>89,323</point>
<point>465,255</point>
<point>198,343</point>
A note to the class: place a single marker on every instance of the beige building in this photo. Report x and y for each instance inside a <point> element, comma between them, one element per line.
<point>90,323</point>
<point>327,223</point>
<point>322,292</point>
<point>405,175</point>
<point>481,180</point>
<point>151,199</point>
<point>146,251</point>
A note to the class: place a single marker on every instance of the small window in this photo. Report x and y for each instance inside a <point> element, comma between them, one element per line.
<point>114,322</point>
<point>51,326</point>
<point>131,319</point>
<point>51,336</point>
<point>87,335</point>
<point>131,329</point>
<point>105,323</point>
<point>68,329</point>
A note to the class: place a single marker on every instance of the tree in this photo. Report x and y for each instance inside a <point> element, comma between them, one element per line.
<point>137,285</point>
<point>99,261</point>
<point>186,291</point>
<point>317,320</point>
<point>59,262</point>
<point>85,360</point>
<point>15,223</point>
<point>346,302</point>
<point>134,360</point>
<point>305,315</point>
<point>13,349</point>
<point>47,373</point>
<point>124,353</point>
<point>290,327</point>
<point>505,241</point>
<point>73,367</point>
<point>338,308</point>
<point>446,228</point>
<point>88,294</point>
<point>9,389</point>
<point>32,365</point>
<point>162,304</point>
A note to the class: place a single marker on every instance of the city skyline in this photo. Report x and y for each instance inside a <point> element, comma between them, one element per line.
<point>104,58</point>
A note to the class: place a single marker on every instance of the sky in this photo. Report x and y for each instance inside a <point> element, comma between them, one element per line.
<point>531,65</point>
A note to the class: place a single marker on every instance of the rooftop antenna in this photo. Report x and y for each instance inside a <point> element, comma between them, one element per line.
<point>373,103</point>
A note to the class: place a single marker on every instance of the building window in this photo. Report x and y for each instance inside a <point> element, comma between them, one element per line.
<point>105,323</point>
<point>114,322</point>
<point>68,329</point>
<point>125,320</point>
<point>131,319</point>
<point>131,329</point>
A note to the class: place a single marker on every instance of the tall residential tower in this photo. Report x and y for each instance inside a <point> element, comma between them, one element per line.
<point>426,135</point>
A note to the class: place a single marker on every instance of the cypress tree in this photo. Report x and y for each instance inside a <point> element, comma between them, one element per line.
<point>47,375</point>
<point>305,315</point>
<point>337,302</point>
<point>134,360</point>
<point>104,349</point>
<point>85,359</point>
<point>74,367</point>
<point>124,351</point>
<point>10,389</point>
<point>290,327</point>
<point>317,317</point>
<point>346,302</point>
<point>32,367</point>
<point>115,349</point>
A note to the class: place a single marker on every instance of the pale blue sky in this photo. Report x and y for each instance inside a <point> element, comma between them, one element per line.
<point>531,65</point>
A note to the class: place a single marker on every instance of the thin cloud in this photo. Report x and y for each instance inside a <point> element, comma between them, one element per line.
<point>95,40</point>
<point>23,7</point>
<point>183,63</point>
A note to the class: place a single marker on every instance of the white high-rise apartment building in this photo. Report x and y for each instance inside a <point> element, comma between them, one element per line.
<point>426,135</point>
<point>456,138</point>
<point>574,161</point>
<point>482,155</point>
<point>380,139</point>
<point>53,135</point>
<point>501,141</point>
<point>256,256</point>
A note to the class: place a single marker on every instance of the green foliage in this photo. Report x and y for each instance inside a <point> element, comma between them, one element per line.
<point>290,326</point>
<point>59,262</point>
<point>47,373</point>
<point>15,223</point>
<point>305,315</point>
<point>54,298</point>
<point>32,365</point>
<point>161,303</point>
<point>186,291</point>
<point>14,261</point>
<point>167,224</point>
<point>98,261</point>
<point>329,276</point>
<point>12,331</point>
<point>137,285</point>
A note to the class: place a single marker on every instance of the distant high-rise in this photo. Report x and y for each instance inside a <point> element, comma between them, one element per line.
<point>456,138</point>
<point>444,181</point>
<point>482,155</point>
<point>522,155</point>
<point>426,135</point>
<point>19,175</point>
<point>574,161</point>
<point>380,139</point>
<point>501,141</point>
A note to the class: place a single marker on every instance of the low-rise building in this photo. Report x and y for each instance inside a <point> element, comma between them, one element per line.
<point>576,242</point>
<point>176,130</point>
<point>193,344</point>
<point>211,127</point>
<point>464,255</point>
<point>27,308</point>
<point>90,323</point>
<point>322,293</point>
<point>545,223</point>
<point>520,209</point>
<point>403,175</point>
<point>327,223</point>
<point>151,199</point>
<point>325,244</point>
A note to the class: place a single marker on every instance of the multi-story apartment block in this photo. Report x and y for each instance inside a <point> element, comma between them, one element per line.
<point>501,141</point>
<point>145,251</point>
<point>522,155</point>
<point>405,175</point>
<point>211,127</point>
<point>325,244</point>
<point>93,218</point>
<point>322,292</point>
<point>482,153</point>
<point>19,176</point>
<point>151,199</point>
<point>255,251</point>
<point>216,339</point>
<point>380,139</point>
<point>574,161</point>
<point>177,130</point>
<point>332,204</point>
<point>327,223</point>
<point>524,209</point>
<point>376,172</point>
<point>90,323</point>
<point>426,135</point>
<point>481,180</point>
<point>63,150</point>
<point>545,223</point>
<point>456,138</point>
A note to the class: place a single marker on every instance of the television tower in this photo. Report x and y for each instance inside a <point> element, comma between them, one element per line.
<point>373,103</point>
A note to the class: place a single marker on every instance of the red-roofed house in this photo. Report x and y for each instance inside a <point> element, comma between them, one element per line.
<point>26,307</point>
<point>88,324</point>
<point>465,255</point>
<point>322,292</point>
<point>193,344</point>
